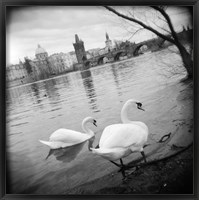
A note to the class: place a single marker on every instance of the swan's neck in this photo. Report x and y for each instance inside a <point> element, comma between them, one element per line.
<point>86,129</point>
<point>125,120</point>
<point>124,115</point>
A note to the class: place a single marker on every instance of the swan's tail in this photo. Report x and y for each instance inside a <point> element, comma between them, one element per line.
<point>96,151</point>
<point>93,150</point>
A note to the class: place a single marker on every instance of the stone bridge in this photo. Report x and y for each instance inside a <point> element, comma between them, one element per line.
<point>129,49</point>
<point>151,45</point>
<point>109,56</point>
<point>132,49</point>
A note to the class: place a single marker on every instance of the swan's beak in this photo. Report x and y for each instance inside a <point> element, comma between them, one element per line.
<point>141,108</point>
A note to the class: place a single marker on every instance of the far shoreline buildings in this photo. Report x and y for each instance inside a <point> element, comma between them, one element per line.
<point>41,67</point>
<point>44,66</point>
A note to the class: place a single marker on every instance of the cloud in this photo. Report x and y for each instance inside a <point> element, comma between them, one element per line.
<point>53,18</point>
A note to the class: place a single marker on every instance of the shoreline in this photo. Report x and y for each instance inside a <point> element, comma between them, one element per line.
<point>173,175</point>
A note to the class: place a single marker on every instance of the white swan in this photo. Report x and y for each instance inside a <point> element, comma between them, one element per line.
<point>62,138</point>
<point>119,140</point>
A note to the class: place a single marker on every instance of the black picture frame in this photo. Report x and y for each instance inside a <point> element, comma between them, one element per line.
<point>3,183</point>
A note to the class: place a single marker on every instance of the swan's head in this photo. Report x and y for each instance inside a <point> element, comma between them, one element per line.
<point>133,102</point>
<point>91,120</point>
<point>139,106</point>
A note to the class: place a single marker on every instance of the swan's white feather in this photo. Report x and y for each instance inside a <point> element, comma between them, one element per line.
<point>56,144</point>
<point>65,135</point>
<point>122,135</point>
<point>112,153</point>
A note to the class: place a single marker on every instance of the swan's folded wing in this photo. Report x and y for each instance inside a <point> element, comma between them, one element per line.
<point>55,145</point>
<point>122,135</point>
<point>68,136</point>
<point>111,153</point>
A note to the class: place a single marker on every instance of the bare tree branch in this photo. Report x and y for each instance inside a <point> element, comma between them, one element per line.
<point>161,28</point>
<point>136,32</point>
<point>162,11</point>
<point>162,19</point>
<point>142,24</point>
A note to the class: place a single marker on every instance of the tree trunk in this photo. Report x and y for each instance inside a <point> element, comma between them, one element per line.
<point>186,59</point>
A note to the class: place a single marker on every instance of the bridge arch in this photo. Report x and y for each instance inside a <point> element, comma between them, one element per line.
<point>153,45</point>
<point>100,60</point>
<point>117,55</point>
<point>136,51</point>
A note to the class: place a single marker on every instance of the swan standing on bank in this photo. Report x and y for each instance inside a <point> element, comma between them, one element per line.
<point>62,138</point>
<point>119,140</point>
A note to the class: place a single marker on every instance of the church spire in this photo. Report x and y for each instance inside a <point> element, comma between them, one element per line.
<point>107,37</point>
<point>76,38</point>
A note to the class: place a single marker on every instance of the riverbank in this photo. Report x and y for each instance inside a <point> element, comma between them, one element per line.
<point>170,164</point>
<point>173,175</point>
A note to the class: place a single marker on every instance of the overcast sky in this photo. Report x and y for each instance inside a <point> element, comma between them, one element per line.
<point>54,28</point>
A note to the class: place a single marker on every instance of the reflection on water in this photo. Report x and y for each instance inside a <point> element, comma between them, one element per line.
<point>35,90</point>
<point>51,91</point>
<point>116,72</point>
<point>90,89</point>
<point>34,111</point>
<point>66,154</point>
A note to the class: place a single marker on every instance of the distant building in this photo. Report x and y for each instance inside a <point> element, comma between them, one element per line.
<point>14,72</point>
<point>41,65</point>
<point>73,57</point>
<point>103,51</point>
<point>93,52</point>
<point>67,59</point>
<point>41,53</point>
<point>108,42</point>
<point>108,47</point>
<point>79,49</point>
<point>40,61</point>
<point>60,62</point>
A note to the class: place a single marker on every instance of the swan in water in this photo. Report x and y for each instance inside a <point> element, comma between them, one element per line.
<point>119,140</point>
<point>62,138</point>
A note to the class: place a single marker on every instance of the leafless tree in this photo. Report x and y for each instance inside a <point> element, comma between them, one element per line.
<point>172,38</point>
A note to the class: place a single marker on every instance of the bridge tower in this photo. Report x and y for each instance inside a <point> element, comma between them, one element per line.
<point>79,49</point>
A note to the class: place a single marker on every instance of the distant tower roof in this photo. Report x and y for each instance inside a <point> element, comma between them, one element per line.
<point>107,37</point>
<point>40,50</point>
<point>20,62</point>
<point>76,38</point>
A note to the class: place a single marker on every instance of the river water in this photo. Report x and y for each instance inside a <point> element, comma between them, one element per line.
<point>35,110</point>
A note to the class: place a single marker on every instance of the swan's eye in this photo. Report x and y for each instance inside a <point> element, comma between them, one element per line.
<point>139,104</point>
